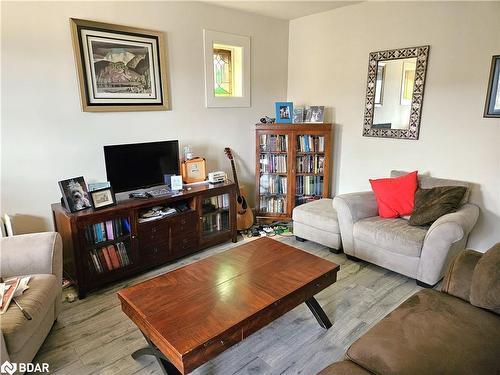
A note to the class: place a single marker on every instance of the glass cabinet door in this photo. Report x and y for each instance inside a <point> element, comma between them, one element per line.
<point>273,173</point>
<point>215,217</point>
<point>108,245</point>
<point>309,168</point>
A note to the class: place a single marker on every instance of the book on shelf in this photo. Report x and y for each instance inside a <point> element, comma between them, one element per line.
<point>273,163</point>
<point>273,184</point>
<point>309,185</point>
<point>311,143</point>
<point>306,199</point>
<point>215,222</point>
<point>105,231</point>
<point>310,164</point>
<point>272,204</point>
<point>273,143</point>
<point>214,203</point>
<point>108,258</point>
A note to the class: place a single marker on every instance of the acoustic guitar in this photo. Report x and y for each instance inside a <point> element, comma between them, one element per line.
<point>244,214</point>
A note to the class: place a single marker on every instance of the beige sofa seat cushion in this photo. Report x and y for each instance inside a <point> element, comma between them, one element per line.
<point>394,235</point>
<point>37,301</point>
<point>431,333</point>
<point>319,214</point>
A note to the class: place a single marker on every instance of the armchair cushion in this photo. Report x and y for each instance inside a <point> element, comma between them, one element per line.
<point>395,196</point>
<point>431,333</point>
<point>394,235</point>
<point>38,301</point>
<point>458,279</point>
<point>431,204</point>
<point>485,288</point>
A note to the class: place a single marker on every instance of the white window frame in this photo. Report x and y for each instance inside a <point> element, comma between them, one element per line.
<point>210,38</point>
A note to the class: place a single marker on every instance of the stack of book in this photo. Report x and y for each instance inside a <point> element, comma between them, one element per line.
<point>110,257</point>
<point>310,164</point>
<point>219,202</point>
<point>309,185</point>
<point>215,222</point>
<point>106,231</point>
<point>311,143</point>
<point>273,163</point>
<point>273,143</point>
<point>273,204</point>
<point>270,184</point>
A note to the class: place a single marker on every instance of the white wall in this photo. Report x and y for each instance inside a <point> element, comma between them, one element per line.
<point>328,61</point>
<point>45,135</point>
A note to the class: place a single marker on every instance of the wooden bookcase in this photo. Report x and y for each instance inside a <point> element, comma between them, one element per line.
<point>292,167</point>
<point>102,246</point>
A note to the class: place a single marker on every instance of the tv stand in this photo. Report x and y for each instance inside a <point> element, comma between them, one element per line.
<point>103,246</point>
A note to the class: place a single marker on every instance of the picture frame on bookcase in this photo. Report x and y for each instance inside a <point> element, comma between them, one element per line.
<point>284,112</point>
<point>102,198</point>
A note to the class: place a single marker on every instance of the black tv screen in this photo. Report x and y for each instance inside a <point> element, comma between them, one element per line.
<point>140,165</point>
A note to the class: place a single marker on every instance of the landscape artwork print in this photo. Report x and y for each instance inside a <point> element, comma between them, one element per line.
<point>119,68</point>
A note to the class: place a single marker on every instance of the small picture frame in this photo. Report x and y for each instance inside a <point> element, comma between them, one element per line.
<point>102,198</point>
<point>492,105</point>
<point>75,195</point>
<point>298,115</point>
<point>284,112</point>
<point>316,114</point>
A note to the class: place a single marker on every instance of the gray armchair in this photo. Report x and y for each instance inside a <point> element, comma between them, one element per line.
<point>421,253</point>
<point>40,256</point>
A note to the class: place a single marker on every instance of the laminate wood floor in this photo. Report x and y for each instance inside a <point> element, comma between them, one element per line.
<point>93,336</point>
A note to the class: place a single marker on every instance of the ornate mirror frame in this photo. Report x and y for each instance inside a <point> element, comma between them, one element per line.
<point>422,55</point>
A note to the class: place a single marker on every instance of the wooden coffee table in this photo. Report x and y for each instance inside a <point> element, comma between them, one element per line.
<point>193,313</point>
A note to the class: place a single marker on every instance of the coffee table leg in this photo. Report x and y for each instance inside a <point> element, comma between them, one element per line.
<point>318,313</point>
<point>166,366</point>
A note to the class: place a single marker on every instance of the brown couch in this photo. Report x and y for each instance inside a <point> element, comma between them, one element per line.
<point>455,331</point>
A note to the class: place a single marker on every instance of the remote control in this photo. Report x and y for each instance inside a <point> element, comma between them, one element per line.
<point>144,195</point>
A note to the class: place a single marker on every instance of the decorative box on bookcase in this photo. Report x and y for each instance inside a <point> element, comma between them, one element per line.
<point>103,246</point>
<point>292,167</point>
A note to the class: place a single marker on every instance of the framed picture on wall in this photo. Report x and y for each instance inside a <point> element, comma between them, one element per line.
<point>120,68</point>
<point>492,106</point>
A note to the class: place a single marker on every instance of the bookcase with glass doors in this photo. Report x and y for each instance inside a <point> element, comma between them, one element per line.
<point>292,167</point>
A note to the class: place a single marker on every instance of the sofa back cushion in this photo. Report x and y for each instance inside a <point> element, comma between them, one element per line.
<point>427,182</point>
<point>485,288</point>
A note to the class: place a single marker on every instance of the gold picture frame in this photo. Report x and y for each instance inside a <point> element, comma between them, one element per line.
<point>120,68</point>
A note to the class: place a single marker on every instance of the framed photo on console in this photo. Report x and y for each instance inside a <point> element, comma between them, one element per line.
<point>102,198</point>
<point>75,195</point>
<point>120,68</point>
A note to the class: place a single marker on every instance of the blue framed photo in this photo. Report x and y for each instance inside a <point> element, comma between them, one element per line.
<point>284,112</point>
<point>492,106</point>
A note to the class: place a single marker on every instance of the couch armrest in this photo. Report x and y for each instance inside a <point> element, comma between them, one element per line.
<point>351,208</point>
<point>30,254</point>
<point>4,354</point>
<point>458,278</point>
<point>438,248</point>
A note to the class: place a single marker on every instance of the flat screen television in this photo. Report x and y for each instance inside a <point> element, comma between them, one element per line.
<point>140,165</point>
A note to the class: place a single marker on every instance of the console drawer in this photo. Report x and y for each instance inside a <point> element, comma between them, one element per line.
<point>156,253</point>
<point>184,245</point>
<point>185,223</point>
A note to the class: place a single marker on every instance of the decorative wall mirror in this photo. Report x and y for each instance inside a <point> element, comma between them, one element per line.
<point>395,92</point>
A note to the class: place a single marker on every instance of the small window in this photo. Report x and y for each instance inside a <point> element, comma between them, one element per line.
<point>223,72</point>
<point>227,69</point>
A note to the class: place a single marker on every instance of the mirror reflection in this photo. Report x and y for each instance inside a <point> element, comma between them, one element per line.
<point>394,93</point>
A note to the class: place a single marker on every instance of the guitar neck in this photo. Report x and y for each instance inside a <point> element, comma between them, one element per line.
<point>235,176</point>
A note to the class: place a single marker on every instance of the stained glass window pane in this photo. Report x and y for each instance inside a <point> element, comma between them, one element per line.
<point>223,75</point>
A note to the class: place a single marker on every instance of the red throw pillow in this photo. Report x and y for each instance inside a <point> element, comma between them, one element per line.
<point>395,196</point>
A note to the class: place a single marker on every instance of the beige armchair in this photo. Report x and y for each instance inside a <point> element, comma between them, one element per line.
<point>421,253</point>
<point>40,256</point>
